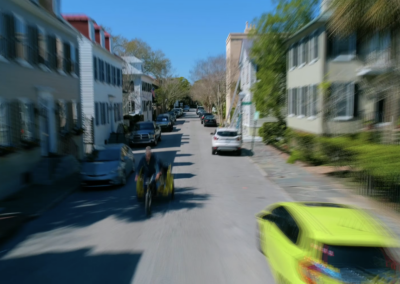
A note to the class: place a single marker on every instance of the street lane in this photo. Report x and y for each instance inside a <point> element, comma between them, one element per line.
<point>206,235</point>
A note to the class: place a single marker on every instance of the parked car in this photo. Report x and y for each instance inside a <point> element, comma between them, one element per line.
<point>310,242</point>
<point>179,111</point>
<point>199,108</point>
<point>173,116</point>
<point>210,120</point>
<point>226,139</point>
<point>200,112</point>
<point>145,132</point>
<point>186,108</point>
<point>164,121</point>
<point>204,114</point>
<point>108,165</point>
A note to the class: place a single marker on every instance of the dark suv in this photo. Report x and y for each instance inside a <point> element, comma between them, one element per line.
<point>199,108</point>
<point>145,132</point>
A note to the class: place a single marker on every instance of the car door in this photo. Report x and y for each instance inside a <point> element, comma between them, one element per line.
<point>129,158</point>
<point>124,160</point>
<point>284,236</point>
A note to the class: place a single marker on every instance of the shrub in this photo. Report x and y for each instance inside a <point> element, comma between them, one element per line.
<point>271,132</point>
<point>306,143</point>
<point>294,157</point>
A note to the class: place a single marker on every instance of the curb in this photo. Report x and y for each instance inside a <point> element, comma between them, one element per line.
<point>54,203</point>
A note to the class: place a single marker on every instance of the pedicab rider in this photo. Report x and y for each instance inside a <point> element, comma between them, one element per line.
<point>150,165</point>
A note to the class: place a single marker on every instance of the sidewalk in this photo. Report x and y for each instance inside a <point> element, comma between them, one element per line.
<point>33,201</point>
<point>311,184</point>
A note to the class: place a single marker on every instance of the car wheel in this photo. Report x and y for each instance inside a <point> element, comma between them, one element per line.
<point>201,122</point>
<point>155,143</point>
<point>159,137</point>
<point>239,152</point>
<point>258,239</point>
<point>212,152</point>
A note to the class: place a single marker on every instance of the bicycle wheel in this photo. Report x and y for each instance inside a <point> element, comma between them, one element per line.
<point>148,202</point>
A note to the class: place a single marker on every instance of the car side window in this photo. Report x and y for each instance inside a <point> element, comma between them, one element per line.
<point>286,223</point>
<point>124,153</point>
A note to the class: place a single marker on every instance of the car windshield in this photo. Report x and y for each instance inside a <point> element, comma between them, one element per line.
<point>199,108</point>
<point>206,113</point>
<point>227,133</point>
<point>106,155</point>
<point>162,118</point>
<point>209,117</point>
<point>143,126</point>
<point>355,257</point>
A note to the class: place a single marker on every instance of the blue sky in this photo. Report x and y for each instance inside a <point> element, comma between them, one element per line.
<point>185,31</point>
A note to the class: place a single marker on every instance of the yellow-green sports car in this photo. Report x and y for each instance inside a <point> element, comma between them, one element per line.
<point>309,242</point>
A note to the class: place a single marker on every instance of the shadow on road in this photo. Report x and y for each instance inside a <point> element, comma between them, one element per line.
<point>184,155</point>
<point>79,266</point>
<point>183,176</point>
<point>181,164</point>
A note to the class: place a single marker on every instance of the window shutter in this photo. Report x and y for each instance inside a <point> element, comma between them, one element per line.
<point>15,122</point>
<point>97,113</point>
<point>350,99</point>
<point>67,57</point>
<point>356,110</point>
<point>77,66</point>
<point>10,35</point>
<point>329,46</point>
<point>70,118</point>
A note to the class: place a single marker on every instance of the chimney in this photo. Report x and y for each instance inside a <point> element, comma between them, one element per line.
<point>325,5</point>
<point>247,28</point>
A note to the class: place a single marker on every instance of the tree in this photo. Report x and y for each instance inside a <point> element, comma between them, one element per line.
<point>209,76</point>
<point>154,61</point>
<point>172,89</point>
<point>364,16</point>
<point>269,52</point>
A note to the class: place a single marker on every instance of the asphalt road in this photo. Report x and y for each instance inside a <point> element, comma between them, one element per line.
<point>206,235</point>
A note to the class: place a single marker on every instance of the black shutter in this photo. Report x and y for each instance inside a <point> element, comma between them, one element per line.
<point>97,113</point>
<point>329,45</point>
<point>95,67</point>
<point>29,44</point>
<point>67,57</point>
<point>52,52</point>
<point>10,35</point>
<point>356,112</point>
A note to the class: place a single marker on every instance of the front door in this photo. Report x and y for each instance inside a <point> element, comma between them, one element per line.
<point>48,139</point>
<point>380,111</point>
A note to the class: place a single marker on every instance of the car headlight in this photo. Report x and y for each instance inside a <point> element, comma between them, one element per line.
<point>119,169</point>
<point>151,135</point>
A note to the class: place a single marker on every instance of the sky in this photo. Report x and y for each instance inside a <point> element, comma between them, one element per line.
<point>186,31</point>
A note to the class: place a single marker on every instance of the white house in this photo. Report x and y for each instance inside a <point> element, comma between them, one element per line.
<point>139,87</point>
<point>248,71</point>
<point>101,81</point>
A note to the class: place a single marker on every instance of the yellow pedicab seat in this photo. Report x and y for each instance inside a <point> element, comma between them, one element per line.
<point>165,185</point>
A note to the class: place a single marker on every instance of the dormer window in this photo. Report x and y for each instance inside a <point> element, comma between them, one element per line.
<point>102,39</point>
<point>57,7</point>
<point>91,31</point>
<point>110,44</point>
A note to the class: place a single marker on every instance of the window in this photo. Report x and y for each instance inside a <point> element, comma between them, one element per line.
<point>102,39</point>
<point>300,102</point>
<point>3,38</point>
<point>5,139</point>
<point>95,71</point>
<point>312,101</point>
<point>52,52</point>
<point>21,39</point>
<point>295,56</point>
<point>113,79</point>
<point>27,119</point>
<point>74,60</point>
<point>343,96</point>
<point>42,46</point>
<point>300,54</point>
<point>102,71</point>
<point>108,73</point>
<point>103,113</point>
<point>60,54</point>
<point>304,98</point>
<point>306,51</point>
<point>62,112</point>
<point>91,31</point>
<point>97,113</point>
<point>344,46</point>
<point>315,45</point>
<point>294,102</point>
<point>286,224</point>
<point>75,114</point>
<point>119,77</point>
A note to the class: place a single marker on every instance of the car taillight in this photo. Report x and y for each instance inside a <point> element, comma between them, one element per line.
<point>311,271</point>
<point>215,138</point>
<point>206,120</point>
<point>238,139</point>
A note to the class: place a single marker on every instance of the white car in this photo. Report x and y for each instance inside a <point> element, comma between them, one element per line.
<point>226,139</point>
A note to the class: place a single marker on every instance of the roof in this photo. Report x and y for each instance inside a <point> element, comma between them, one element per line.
<point>78,17</point>
<point>227,129</point>
<point>345,225</point>
<point>322,18</point>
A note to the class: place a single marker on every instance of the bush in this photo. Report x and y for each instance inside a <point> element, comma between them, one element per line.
<point>306,144</point>
<point>271,132</point>
<point>294,157</point>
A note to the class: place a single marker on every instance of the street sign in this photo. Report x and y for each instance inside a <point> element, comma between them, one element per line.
<point>256,115</point>
<point>246,103</point>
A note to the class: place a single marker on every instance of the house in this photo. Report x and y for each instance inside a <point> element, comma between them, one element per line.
<point>39,95</point>
<point>248,77</point>
<point>233,49</point>
<point>101,81</point>
<point>139,88</point>
<point>327,80</point>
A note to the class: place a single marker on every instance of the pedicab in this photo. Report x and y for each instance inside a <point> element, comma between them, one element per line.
<point>165,188</point>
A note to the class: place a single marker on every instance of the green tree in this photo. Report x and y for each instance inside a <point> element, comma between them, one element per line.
<point>172,89</point>
<point>269,52</point>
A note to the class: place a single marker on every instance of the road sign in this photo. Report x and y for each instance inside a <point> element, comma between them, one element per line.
<point>256,115</point>
<point>246,103</point>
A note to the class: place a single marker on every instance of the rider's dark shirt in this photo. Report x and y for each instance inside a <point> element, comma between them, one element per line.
<point>149,168</point>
